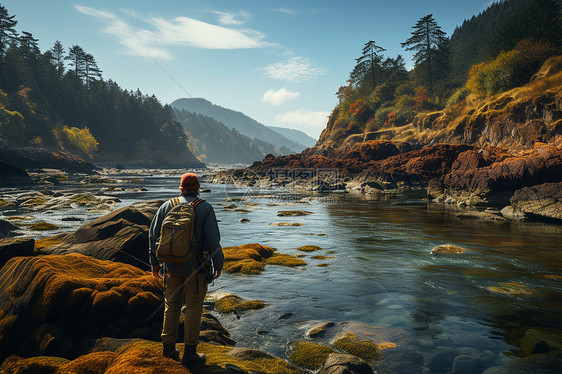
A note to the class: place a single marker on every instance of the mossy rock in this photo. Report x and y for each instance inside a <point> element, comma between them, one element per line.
<point>309,248</point>
<point>447,249</point>
<point>309,355</point>
<point>43,226</point>
<point>18,218</point>
<point>293,213</point>
<point>47,242</point>
<point>33,202</point>
<point>234,199</point>
<point>320,257</point>
<point>39,364</point>
<point>352,344</point>
<point>231,206</point>
<point>252,258</point>
<point>285,260</point>
<point>320,330</point>
<point>5,203</point>
<point>240,210</point>
<point>323,265</point>
<point>234,303</point>
<point>284,224</point>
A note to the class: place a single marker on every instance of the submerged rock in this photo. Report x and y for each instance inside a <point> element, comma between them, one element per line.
<point>352,344</point>
<point>338,363</point>
<point>309,355</point>
<point>319,330</point>
<point>292,213</point>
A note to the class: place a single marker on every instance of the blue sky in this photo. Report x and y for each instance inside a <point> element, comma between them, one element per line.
<point>278,61</point>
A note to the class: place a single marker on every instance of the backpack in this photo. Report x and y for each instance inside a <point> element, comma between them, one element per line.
<point>177,243</point>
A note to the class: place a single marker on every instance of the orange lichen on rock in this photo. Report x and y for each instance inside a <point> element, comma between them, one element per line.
<point>48,301</point>
<point>252,258</point>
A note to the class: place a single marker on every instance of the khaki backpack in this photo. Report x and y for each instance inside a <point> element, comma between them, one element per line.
<point>177,243</point>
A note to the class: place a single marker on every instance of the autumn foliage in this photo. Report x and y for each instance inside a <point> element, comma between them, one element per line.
<point>80,139</point>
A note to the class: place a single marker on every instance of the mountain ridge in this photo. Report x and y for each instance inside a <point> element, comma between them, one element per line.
<point>233,119</point>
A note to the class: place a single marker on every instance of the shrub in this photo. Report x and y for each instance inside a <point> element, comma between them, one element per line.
<point>80,139</point>
<point>381,116</point>
<point>458,95</point>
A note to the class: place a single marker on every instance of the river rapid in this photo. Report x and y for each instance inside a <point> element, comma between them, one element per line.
<point>467,312</point>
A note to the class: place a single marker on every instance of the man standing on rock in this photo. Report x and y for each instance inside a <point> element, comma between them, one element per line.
<point>186,279</point>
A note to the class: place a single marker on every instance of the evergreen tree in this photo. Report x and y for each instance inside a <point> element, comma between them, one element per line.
<point>426,40</point>
<point>76,57</point>
<point>91,70</point>
<point>368,66</point>
<point>28,45</point>
<point>8,35</point>
<point>539,20</point>
<point>57,52</point>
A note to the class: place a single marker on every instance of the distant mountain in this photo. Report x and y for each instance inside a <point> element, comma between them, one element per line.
<point>211,141</point>
<point>239,121</point>
<point>295,135</point>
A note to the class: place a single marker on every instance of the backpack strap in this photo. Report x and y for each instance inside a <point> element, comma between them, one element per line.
<point>196,202</point>
<point>175,201</point>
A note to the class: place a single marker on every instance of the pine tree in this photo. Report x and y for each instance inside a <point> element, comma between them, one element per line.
<point>91,70</point>
<point>368,65</point>
<point>426,40</point>
<point>8,35</point>
<point>57,52</point>
<point>76,57</point>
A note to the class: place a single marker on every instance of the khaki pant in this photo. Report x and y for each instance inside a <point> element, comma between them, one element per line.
<point>178,285</point>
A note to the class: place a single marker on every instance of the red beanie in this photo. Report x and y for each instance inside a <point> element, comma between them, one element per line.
<point>189,181</point>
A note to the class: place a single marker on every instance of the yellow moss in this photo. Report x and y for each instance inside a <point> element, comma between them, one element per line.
<point>352,344</point>
<point>43,226</point>
<point>447,249</point>
<point>245,266</point>
<point>320,257</point>
<point>33,202</point>
<point>5,203</point>
<point>47,242</point>
<point>284,260</point>
<point>240,210</point>
<point>39,364</point>
<point>309,248</point>
<point>217,355</point>
<point>234,303</point>
<point>292,213</point>
<point>309,355</point>
<point>17,218</point>
<point>386,345</point>
<point>83,199</point>
<point>93,363</point>
<point>323,265</point>
<point>511,288</point>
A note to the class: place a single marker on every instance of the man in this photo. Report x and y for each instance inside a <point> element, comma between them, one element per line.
<point>183,280</point>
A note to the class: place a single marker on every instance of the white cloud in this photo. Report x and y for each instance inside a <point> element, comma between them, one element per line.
<point>231,19</point>
<point>159,34</point>
<point>295,69</point>
<point>279,97</point>
<point>305,118</point>
<point>287,11</point>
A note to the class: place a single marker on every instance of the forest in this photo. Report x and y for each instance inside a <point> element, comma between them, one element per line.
<point>499,49</point>
<point>58,100</point>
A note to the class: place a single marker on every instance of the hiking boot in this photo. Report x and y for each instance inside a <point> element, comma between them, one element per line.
<point>191,358</point>
<point>170,351</point>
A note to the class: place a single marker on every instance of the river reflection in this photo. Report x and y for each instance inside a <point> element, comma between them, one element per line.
<point>451,313</point>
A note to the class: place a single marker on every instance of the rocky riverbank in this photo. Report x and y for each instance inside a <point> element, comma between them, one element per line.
<point>521,184</point>
<point>85,300</point>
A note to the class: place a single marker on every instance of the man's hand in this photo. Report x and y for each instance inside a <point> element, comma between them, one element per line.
<point>156,272</point>
<point>218,274</point>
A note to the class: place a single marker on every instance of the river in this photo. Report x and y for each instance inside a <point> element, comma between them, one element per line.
<point>379,274</point>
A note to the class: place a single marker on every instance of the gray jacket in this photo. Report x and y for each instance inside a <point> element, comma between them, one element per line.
<point>206,234</point>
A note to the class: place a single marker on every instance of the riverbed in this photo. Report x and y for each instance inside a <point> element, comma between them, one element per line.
<point>377,273</point>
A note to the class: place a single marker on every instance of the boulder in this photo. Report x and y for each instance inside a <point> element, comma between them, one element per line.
<point>338,363</point>
<point>544,201</point>
<point>52,303</point>
<point>447,249</point>
<point>492,177</point>
<point>34,158</point>
<point>10,248</point>
<point>121,235</point>
<point>7,229</point>
<point>513,214</point>
<point>11,176</point>
<point>540,340</point>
